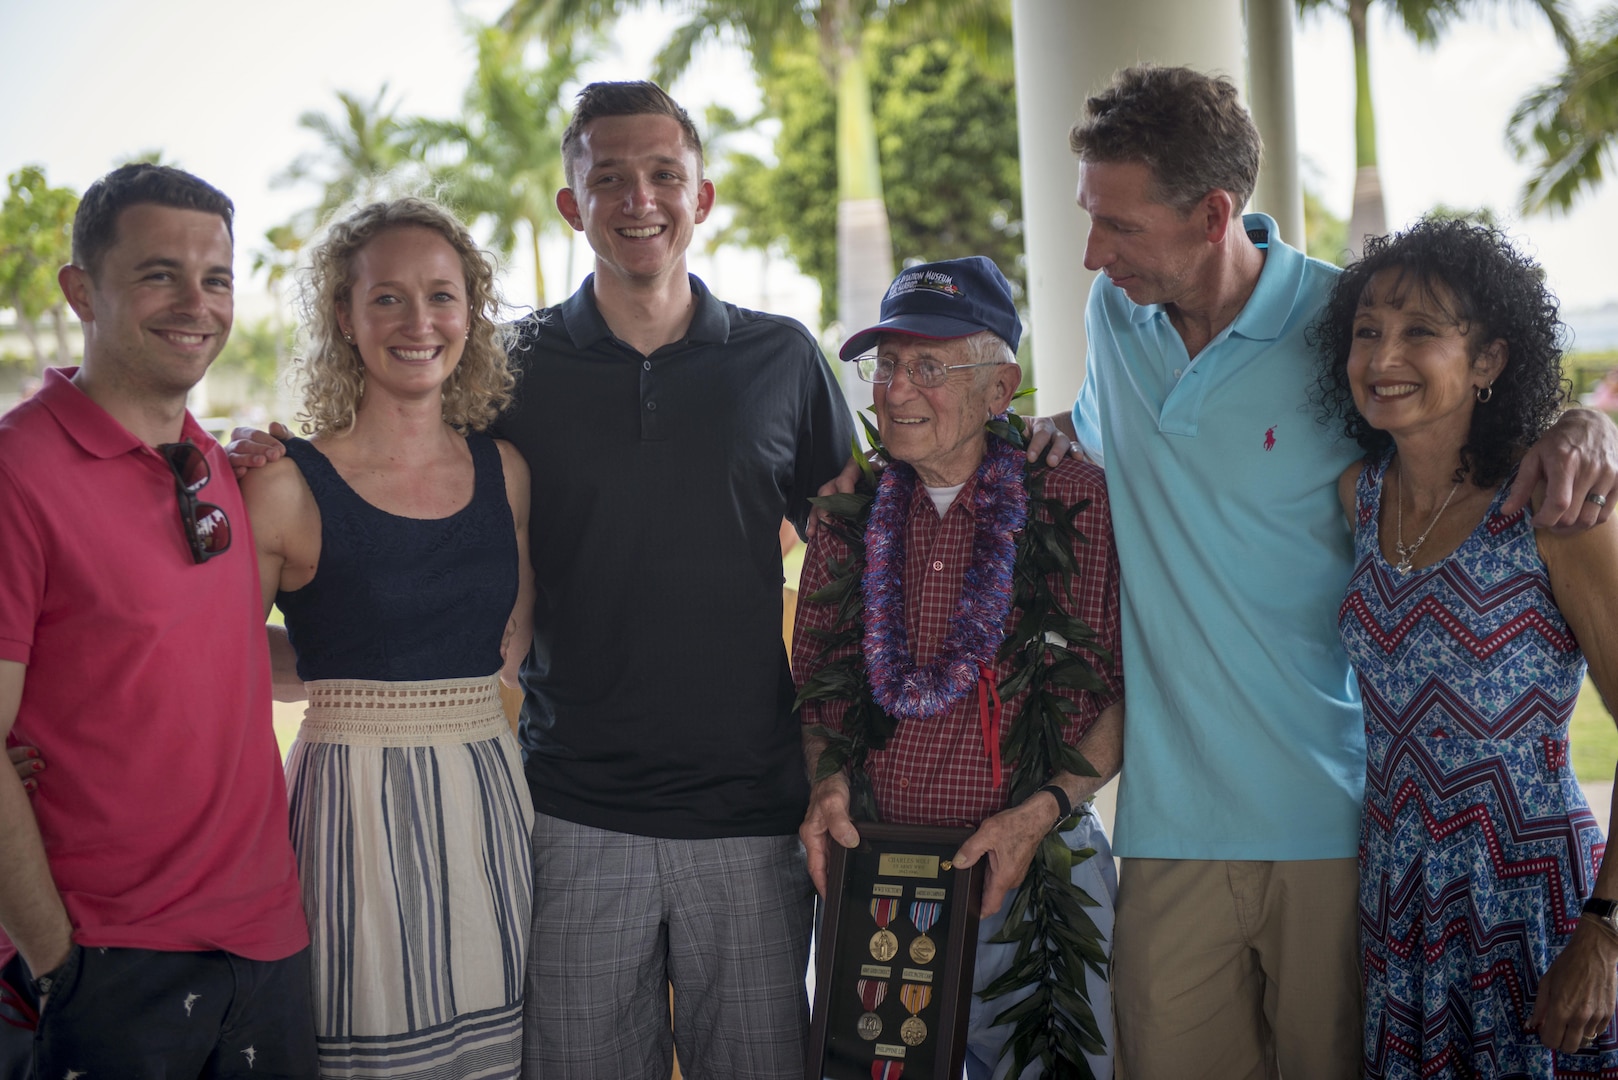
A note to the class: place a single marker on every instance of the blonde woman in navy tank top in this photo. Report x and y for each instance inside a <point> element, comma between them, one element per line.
<point>395,543</point>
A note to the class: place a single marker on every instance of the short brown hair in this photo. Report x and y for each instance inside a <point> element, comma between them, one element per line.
<point>95,224</point>
<point>1188,128</point>
<point>334,376</point>
<point>643,98</point>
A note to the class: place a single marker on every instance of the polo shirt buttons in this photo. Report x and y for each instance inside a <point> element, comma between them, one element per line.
<point>646,364</point>
<point>938,564</point>
<point>652,405</point>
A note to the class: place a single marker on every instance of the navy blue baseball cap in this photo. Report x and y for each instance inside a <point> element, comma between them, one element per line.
<point>941,300</point>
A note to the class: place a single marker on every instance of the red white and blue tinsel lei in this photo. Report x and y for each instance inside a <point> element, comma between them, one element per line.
<point>1000,509</point>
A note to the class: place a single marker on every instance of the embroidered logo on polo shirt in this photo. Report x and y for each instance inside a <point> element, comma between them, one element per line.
<point>1269,437</point>
<point>931,280</point>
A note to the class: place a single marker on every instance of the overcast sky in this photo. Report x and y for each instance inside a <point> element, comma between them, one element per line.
<point>218,87</point>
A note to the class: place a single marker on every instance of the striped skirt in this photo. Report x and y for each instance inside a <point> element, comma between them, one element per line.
<point>411,822</point>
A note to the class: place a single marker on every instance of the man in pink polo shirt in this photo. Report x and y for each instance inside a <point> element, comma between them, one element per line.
<point>150,918</point>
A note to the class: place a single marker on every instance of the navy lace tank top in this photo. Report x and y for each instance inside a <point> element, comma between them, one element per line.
<point>404,599</point>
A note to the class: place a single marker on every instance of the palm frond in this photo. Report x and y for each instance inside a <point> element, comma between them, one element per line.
<point>1568,127</point>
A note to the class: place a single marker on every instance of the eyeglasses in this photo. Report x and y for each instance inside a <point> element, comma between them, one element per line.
<point>207,529</point>
<point>879,370</point>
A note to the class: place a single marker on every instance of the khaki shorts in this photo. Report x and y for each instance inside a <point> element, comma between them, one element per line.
<point>1238,970</point>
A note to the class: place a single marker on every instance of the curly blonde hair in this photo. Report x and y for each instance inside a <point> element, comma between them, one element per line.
<point>333,376</point>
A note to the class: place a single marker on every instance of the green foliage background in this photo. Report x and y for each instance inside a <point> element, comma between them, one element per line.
<point>947,136</point>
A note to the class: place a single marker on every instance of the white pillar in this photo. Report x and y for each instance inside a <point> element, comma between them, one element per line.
<point>1270,28</point>
<point>1065,51</point>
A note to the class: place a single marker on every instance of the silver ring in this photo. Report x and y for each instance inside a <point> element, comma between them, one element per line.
<point>1599,500</point>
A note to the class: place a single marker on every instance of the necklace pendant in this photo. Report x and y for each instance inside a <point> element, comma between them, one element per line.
<point>1403,565</point>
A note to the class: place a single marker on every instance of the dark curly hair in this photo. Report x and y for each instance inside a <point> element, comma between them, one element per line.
<point>1495,293</point>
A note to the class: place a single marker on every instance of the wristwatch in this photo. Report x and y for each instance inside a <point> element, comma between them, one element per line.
<point>44,983</point>
<point>1605,910</point>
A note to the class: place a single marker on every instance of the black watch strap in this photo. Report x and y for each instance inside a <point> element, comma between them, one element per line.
<point>43,984</point>
<point>1064,805</point>
<point>1601,909</point>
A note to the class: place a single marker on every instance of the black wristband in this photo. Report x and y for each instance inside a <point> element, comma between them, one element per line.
<point>1063,803</point>
<point>44,984</point>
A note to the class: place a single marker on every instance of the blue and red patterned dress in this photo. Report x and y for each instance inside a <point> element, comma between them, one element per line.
<point>1477,848</point>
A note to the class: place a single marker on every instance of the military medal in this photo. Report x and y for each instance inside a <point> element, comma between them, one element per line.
<point>884,946</point>
<point>887,1069</point>
<point>915,997</point>
<point>924,913</point>
<point>872,993</point>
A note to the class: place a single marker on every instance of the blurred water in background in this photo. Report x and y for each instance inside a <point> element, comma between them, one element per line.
<point>1594,329</point>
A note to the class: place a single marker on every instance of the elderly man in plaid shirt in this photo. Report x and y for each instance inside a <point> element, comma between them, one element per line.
<point>944,363</point>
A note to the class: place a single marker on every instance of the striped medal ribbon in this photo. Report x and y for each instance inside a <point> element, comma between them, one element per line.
<point>872,993</point>
<point>884,945</point>
<point>914,997</point>
<point>924,913</point>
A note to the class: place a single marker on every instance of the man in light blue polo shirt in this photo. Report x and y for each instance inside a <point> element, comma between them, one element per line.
<point>1238,810</point>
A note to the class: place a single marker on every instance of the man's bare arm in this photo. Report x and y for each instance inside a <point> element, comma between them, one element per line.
<point>827,819</point>
<point>284,666</point>
<point>1010,838</point>
<point>31,909</point>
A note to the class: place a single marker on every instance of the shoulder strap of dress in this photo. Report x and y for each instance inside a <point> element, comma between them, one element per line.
<point>1368,489</point>
<point>318,472</point>
<point>488,471</point>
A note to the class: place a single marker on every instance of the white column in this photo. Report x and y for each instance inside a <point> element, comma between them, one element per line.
<point>1065,51</point>
<point>1270,27</point>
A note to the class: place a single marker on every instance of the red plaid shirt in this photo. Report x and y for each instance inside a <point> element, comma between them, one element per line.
<point>936,771</point>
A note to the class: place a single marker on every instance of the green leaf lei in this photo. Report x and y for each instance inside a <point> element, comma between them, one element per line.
<point>1056,939</point>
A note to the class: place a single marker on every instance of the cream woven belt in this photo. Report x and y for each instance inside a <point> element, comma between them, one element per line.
<point>360,712</point>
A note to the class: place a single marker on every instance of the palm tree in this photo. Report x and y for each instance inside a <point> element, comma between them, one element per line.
<point>509,167</point>
<point>1570,124</point>
<point>1426,21</point>
<point>865,254</point>
<point>359,146</point>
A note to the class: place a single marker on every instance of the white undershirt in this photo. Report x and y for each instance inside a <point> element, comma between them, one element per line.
<point>943,496</point>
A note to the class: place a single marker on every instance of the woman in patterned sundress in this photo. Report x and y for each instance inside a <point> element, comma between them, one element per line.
<point>1487,915</point>
<point>395,543</point>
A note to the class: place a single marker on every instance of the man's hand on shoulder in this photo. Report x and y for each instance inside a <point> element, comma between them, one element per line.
<point>250,448</point>
<point>1577,463</point>
<point>1054,437</point>
<point>1009,840</point>
<point>841,484</point>
<point>827,818</point>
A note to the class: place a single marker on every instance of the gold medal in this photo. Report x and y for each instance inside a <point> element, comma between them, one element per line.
<point>884,946</point>
<point>870,1026</point>
<point>915,997</point>
<point>922,950</point>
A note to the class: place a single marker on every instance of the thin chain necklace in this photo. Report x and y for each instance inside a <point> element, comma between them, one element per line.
<point>1408,553</point>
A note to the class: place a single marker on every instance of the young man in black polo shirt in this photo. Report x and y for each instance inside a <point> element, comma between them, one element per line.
<point>668,434</point>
